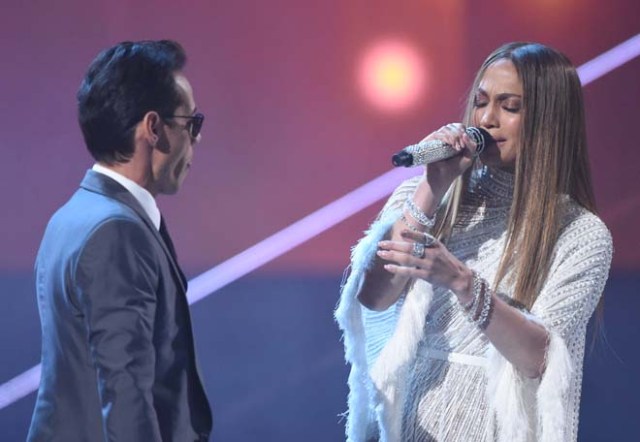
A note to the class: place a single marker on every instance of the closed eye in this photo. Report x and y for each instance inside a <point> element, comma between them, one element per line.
<point>513,110</point>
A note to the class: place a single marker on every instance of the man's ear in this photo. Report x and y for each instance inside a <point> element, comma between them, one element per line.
<point>152,126</point>
<point>153,132</point>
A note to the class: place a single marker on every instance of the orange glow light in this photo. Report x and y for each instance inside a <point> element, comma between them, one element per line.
<point>392,75</point>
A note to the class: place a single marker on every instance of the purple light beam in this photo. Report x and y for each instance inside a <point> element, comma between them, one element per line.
<point>296,234</point>
<point>610,60</point>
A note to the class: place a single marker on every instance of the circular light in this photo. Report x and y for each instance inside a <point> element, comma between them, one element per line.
<point>392,75</point>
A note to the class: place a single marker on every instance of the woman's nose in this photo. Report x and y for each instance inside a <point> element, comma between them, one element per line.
<point>489,117</point>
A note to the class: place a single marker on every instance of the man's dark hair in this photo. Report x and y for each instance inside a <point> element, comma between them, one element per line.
<point>122,84</point>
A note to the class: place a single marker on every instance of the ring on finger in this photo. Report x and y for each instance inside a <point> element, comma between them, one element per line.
<point>418,250</point>
<point>429,240</point>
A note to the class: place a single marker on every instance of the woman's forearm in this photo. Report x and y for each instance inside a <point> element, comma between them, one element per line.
<point>520,340</point>
<point>381,289</point>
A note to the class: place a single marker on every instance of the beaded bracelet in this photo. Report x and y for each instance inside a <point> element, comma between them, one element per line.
<point>482,295</point>
<point>479,290</point>
<point>411,227</point>
<point>419,215</point>
<point>483,321</point>
<point>477,282</point>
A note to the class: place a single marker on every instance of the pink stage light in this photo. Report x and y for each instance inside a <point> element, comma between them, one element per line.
<point>392,75</point>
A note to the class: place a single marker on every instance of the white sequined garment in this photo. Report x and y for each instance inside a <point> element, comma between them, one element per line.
<point>420,371</point>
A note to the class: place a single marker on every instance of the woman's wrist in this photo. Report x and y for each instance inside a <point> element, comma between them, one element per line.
<point>407,222</point>
<point>439,181</point>
<point>463,286</point>
<point>427,198</point>
<point>479,305</point>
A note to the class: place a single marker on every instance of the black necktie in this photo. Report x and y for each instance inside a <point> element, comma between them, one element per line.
<point>164,233</point>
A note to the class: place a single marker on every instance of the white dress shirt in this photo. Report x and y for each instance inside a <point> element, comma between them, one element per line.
<point>142,195</point>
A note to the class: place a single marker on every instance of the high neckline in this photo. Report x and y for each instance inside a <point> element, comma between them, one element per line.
<point>492,186</point>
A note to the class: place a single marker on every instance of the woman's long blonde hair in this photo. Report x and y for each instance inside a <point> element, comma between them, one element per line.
<point>551,159</point>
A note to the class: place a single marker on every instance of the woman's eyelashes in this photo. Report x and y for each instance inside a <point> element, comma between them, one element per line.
<point>513,108</point>
<point>512,105</point>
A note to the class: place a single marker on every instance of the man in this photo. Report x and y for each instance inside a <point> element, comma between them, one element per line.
<point>118,361</point>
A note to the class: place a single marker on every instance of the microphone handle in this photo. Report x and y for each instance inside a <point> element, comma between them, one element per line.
<point>423,153</point>
<point>428,152</point>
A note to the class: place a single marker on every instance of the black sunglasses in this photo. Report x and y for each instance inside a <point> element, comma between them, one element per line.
<point>194,126</point>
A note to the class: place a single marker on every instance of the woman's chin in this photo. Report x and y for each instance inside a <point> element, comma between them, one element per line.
<point>496,162</point>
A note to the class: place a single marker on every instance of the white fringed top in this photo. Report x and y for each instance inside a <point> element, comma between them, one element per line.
<point>421,371</point>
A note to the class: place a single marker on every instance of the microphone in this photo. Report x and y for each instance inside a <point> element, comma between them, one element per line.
<point>427,152</point>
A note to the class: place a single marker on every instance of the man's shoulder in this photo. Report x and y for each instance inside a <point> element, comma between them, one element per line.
<point>89,207</point>
<point>85,211</point>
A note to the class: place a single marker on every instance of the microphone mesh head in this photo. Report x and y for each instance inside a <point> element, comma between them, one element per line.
<point>481,137</point>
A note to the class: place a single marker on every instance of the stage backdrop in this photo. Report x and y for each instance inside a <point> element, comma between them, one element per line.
<point>304,102</point>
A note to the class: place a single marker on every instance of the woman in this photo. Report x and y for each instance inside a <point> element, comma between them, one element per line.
<point>465,313</point>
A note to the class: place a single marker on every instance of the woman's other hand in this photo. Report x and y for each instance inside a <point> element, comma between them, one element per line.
<point>431,262</point>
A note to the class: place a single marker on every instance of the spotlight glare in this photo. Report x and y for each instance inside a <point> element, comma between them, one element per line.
<point>392,75</point>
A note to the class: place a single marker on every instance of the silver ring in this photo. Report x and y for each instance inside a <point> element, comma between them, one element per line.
<point>429,240</point>
<point>418,250</point>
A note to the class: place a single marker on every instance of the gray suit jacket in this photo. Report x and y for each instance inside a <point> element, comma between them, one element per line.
<point>118,358</point>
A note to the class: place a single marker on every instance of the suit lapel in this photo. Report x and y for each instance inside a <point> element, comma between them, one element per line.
<point>164,233</point>
<point>99,183</point>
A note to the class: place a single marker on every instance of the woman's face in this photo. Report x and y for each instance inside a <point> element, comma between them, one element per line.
<point>498,110</point>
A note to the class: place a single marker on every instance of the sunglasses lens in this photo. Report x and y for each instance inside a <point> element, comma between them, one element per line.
<point>196,125</point>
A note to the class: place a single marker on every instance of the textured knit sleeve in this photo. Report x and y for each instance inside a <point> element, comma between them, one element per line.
<point>365,332</point>
<point>399,196</point>
<point>577,277</point>
<point>568,299</point>
<point>380,325</point>
<point>576,280</point>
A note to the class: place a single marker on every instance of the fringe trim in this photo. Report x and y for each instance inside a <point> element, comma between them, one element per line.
<point>360,421</point>
<point>391,369</point>
<point>508,420</point>
<point>553,391</point>
<point>523,409</point>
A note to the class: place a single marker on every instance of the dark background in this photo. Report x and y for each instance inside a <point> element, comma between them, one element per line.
<point>289,129</point>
